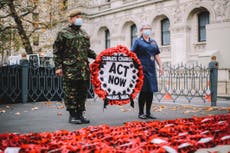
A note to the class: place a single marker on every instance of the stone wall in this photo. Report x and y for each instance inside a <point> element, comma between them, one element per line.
<point>119,15</point>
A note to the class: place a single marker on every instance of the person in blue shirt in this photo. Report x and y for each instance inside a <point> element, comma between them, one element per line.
<point>148,52</point>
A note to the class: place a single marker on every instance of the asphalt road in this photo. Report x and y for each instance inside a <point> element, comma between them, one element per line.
<point>52,116</point>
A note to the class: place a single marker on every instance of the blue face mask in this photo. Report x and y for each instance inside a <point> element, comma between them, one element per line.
<point>78,22</point>
<point>147,32</point>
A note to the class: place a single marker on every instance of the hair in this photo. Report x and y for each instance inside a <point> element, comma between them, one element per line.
<point>144,25</point>
<point>213,58</point>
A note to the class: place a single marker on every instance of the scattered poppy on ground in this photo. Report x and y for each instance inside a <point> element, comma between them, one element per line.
<point>173,136</point>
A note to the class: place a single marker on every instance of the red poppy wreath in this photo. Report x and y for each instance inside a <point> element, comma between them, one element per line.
<point>117,76</point>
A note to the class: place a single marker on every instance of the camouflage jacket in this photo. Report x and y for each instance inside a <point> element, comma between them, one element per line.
<point>71,50</point>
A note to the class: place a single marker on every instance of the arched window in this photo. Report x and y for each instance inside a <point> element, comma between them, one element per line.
<point>165,33</point>
<point>203,19</point>
<point>107,38</point>
<point>133,33</point>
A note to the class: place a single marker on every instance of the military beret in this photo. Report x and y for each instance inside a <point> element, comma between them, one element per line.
<point>74,13</point>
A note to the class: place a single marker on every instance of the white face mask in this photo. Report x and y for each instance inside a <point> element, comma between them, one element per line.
<point>147,32</point>
<point>78,22</point>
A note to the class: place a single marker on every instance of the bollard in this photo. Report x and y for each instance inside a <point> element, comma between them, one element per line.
<point>24,75</point>
<point>213,69</point>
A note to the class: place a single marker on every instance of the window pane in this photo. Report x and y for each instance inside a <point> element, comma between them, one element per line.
<point>107,38</point>
<point>167,38</point>
<point>133,33</point>
<point>165,33</point>
<point>203,20</point>
<point>202,34</point>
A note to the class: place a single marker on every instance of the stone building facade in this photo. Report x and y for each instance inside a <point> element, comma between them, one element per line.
<point>187,31</point>
<point>118,16</point>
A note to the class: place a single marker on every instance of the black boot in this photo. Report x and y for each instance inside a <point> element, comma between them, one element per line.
<point>82,118</point>
<point>74,117</point>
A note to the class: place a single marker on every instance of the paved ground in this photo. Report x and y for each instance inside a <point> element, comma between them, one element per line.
<point>51,116</point>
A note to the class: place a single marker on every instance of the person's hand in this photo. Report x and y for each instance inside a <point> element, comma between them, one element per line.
<point>160,71</point>
<point>59,72</point>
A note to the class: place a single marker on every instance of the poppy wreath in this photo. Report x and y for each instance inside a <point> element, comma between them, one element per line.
<point>97,78</point>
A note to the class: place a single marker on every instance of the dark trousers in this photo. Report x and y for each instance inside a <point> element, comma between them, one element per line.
<point>75,94</point>
<point>145,98</point>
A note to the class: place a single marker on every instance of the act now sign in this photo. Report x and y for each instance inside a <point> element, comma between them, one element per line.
<point>118,76</point>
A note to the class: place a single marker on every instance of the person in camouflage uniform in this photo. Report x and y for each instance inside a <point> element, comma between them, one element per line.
<point>71,52</point>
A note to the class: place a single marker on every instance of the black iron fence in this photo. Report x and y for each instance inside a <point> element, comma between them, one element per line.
<point>26,83</point>
<point>10,84</point>
<point>29,83</point>
<point>43,84</point>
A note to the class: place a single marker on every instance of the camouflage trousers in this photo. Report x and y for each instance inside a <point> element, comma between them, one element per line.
<point>75,94</point>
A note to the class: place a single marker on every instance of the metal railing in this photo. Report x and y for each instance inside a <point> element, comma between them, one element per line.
<point>188,81</point>
<point>10,84</point>
<point>44,84</point>
<point>30,83</point>
<point>26,83</point>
